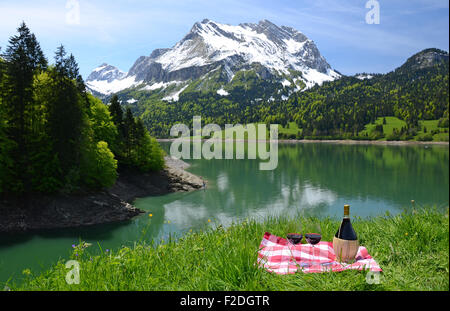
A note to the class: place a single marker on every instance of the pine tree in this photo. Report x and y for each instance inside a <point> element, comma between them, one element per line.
<point>24,58</point>
<point>139,132</point>
<point>117,114</point>
<point>139,129</point>
<point>66,115</point>
<point>5,143</point>
<point>73,73</point>
<point>129,134</point>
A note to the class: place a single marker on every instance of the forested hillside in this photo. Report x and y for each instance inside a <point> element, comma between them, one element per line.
<point>54,135</point>
<point>418,90</point>
<point>347,105</point>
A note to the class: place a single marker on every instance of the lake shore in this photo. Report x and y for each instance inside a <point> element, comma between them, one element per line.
<point>86,208</point>
<point>332,141</point>
<point>224,259</point>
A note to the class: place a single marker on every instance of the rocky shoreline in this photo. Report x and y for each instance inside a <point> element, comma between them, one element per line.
<point>86,208</point>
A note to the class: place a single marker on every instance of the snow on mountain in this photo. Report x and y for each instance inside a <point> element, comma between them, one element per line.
<point>210,42</point>
<point>285,82</point>
<point>109,87</point>
<point>175,96</point>
<point>107,79</point>
<point>213,46</point>
<point>222,92</point>
<point>313,77</point>
<point>364,76</point>
<point>160,85</point>
<point>106,72</point>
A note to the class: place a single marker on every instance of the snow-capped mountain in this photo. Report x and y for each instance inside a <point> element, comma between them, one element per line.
<point>106,72</point>
<point>107,79</point>
<point>270,50</point>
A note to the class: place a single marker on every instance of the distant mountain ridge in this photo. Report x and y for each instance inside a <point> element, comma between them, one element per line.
<point>416,90</point>
<point>273,52</point>
<point>264,73</point>
<point>425,59</point>
<point>106,72</point>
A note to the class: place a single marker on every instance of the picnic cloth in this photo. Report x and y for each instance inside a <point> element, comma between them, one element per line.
<point>277,255</point>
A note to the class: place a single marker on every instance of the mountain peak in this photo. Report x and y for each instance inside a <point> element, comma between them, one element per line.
<point>210,45</point>
<point>424,59</point>
<point>267,23</point>
<point>199,26</point>
<point>106,72</point>
<point>247,39</point>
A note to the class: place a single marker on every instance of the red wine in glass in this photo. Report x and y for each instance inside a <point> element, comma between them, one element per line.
<point>313,238</point>
<point>294,238</point>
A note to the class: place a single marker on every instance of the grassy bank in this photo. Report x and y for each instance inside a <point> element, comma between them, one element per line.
<point>411,248</point>
<point>427,131</point>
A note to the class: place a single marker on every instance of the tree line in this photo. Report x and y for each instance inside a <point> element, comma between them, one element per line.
<point>54,135</point>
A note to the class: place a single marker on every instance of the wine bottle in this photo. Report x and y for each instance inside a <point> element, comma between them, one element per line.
<point>345,242</point>
<point>346,231</point>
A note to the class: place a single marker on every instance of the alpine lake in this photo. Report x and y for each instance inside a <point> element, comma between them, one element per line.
<point>311,178</point>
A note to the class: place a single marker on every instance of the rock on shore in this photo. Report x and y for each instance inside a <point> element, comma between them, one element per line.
<point>89,208</point>
<point>181,180</point>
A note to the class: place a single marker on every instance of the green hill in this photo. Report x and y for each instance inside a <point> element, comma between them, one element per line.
<point>414,93</point>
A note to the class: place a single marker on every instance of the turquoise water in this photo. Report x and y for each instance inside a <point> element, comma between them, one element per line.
<point>317,179</point>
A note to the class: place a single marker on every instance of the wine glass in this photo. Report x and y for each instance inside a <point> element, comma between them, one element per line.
<point>313,238</point>
<point>294,239</point>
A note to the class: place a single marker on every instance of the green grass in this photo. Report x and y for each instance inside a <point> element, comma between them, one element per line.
<point>388,128</point>
<point>391,124</point>
<point>412,249</point>
<point>395,123</point>
<point>292,131</point>
<point>432,125</point>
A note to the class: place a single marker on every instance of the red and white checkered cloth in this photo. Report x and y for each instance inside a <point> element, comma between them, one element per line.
<point>278,255</point>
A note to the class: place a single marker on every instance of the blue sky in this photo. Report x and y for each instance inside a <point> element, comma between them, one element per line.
<point>118,32</point>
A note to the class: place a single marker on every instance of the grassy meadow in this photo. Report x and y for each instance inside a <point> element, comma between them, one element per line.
<point>412,248</point>
<point>428,131</point>
<point>429,127</point>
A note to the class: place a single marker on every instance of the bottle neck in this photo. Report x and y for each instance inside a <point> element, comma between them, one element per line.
<point>347,211</point>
